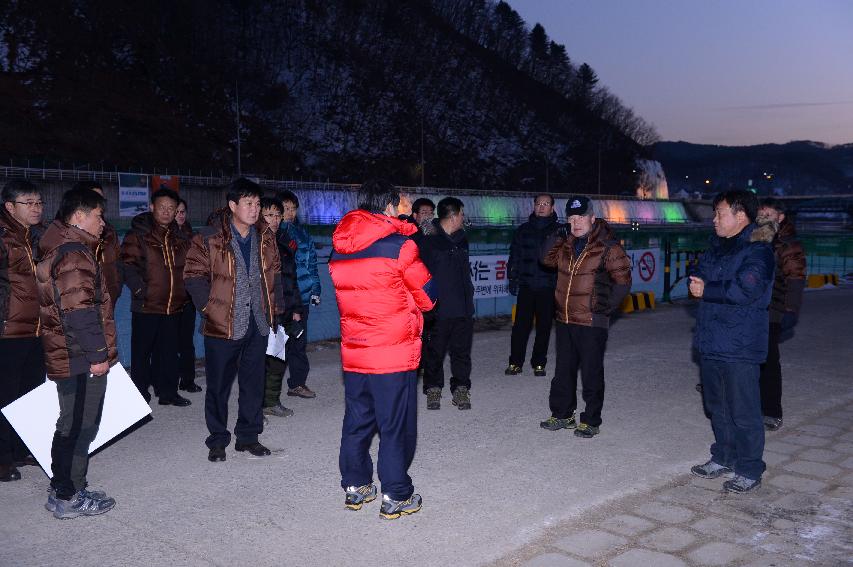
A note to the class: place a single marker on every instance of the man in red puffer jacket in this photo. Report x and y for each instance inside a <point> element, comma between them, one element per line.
<point>382,287</point>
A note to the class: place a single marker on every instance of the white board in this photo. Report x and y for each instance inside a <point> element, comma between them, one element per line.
<point>34,415</point>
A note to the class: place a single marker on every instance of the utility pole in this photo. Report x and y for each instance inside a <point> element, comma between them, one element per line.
<point>599,165</point>
<point>239,164</point>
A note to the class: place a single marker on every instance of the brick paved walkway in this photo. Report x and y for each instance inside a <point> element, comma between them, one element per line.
<point>801,515</point>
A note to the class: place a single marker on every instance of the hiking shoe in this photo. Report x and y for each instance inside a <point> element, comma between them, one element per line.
<point>302,392</point>
<point>357,496</point>
<point>462,398</point>
<point>710,470</point>
<point>50,505</point>
<point>586,431</point>
<point>539,370</point>
<point>393,509</point>
<point>555,423</point>
<point>740,484</point>
<point>512,370</point>
<point>278,410</point>
<point>433,398</point>
<point>772,423</point>
<point>82,504</point>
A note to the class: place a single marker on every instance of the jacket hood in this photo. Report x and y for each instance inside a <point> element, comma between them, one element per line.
<point>359,229</point>
<point>763,231</point>
<point>59,233</point>
<point>9,223</point>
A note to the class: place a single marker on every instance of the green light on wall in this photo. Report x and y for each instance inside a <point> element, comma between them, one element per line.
<point>497,211</point>
<point>672,212</point>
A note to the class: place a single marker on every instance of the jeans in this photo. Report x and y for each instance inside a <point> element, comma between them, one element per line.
<point>22,361</point>
<point>224,361</point>
<point>81,403</point>
<point>732,398</point>
<point>538,304</point>
<point>456,336</point>
<point>384,404</point>
<point>579,348</point>
<point>771,376</point>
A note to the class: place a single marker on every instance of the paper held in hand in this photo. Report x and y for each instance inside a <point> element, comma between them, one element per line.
<point>276,341</point>
<point>34,415</point>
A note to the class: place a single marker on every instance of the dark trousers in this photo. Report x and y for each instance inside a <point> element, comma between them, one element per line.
<point>429,323</point>
<point>22,363</point>
<point>579,348</point>
<point>384,404</point>
<point>297,358</point>
<point>186,346</point>
<point>770,381</point>
<point>275,368</point>
<point>81,403</point>
<point>538,304</point>
<point>455,335</point>
<point>732,398</point>
<point>224,361</point>
<point>150,334</point>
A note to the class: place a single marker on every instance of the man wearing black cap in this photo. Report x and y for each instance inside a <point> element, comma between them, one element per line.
<point>593,276</point>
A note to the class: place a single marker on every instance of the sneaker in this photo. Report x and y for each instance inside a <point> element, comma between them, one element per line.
<point>50,505</point>
<point>740,484</point>
<point>710,470</point>
<point>302,392</point>
<point>539,370</point>
<point>393,509</point>
<point>462,398</point>
<point>82,504</point>
<point>512,370</point>
<point>772,423</point>
<point>278,410</point>
<point>357,496</point>
<point>433,398</point>
<point>555,423</point>
<point>586,431</point>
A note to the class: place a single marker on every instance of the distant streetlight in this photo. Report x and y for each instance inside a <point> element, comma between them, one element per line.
<point>707,182</point>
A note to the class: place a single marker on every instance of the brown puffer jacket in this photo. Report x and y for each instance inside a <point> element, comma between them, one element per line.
<point>210,274</point>
<point>19,308</point>
<point>790,272</point>
<point>108,255</point>
<point>76,310</point>
<point>152,261</point>
<point>591,286</point>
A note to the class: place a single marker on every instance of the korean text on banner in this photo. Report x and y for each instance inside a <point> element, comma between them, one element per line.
<point>489,276</point>
<point>34,415</point>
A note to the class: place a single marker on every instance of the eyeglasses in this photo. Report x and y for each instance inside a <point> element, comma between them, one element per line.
<point>30,204</point>
<point>543,204</point>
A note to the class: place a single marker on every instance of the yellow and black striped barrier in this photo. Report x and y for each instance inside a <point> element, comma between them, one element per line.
<point>820,280</point>
<point>638,301</point>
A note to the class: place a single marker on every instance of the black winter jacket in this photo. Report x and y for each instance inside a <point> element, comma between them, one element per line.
<point>446,258</point>
<point>524,266</point>
<point>292,298</point>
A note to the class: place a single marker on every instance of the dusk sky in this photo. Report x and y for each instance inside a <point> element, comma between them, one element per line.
<point>732,72</point>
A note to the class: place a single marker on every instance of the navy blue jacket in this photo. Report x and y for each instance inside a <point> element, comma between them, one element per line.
<point>446,258</point>
<point>307,277</point>
<point>732,324</point>
<point>524,266</point>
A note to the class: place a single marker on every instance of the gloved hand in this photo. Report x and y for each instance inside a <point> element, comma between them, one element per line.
<point>315,300</point>
<point>294,329</point>
<point>789,320</point>
<point>513,288</point>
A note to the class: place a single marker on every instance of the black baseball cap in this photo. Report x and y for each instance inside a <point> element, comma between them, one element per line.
<point>578,205</point>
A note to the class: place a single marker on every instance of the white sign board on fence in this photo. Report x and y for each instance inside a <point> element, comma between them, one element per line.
<point>34,415</point>
<point>645,268</point>
<point>132,194</point>
<point>489,275</point>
